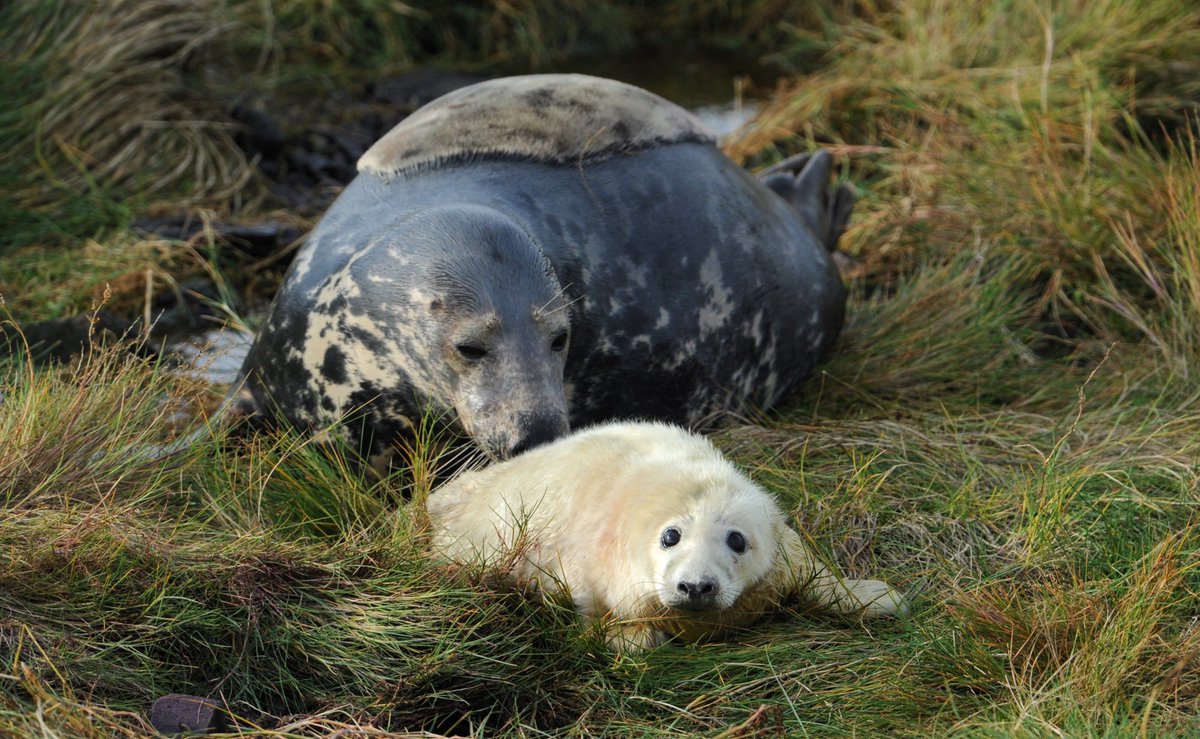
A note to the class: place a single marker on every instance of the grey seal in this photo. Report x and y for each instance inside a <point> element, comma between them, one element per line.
<point>534,253</point>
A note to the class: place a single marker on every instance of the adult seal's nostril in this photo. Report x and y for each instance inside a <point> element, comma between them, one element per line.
<point>538,431</point>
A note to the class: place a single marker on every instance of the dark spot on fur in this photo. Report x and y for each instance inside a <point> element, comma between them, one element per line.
<point>540,99</point>
<point>582,105</point>
<point>377,423</point>
<point>372,342</point>
<point>333,368</point>
<point>333,307</point>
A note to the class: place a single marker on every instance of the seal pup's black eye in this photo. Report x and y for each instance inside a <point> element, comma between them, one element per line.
<point>471,352</point>
<point>736,542</point>
<point>560,342</point>
<point>670,537</point>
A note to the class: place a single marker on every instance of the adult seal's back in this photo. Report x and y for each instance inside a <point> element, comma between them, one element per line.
<point>533,253</point>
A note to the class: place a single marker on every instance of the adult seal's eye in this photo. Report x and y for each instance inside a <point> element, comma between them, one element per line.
<point>736,542</point>
<point>470,352</point>
<point>559,343</point>
<point>670,537</point>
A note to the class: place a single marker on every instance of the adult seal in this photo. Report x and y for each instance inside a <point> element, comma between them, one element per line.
<point>533,253</point>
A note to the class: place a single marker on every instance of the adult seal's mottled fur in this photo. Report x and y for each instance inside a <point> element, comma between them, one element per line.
<point>536,252</point>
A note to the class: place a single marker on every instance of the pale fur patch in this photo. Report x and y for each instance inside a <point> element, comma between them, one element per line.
<point>554,118</point>
<point>585,515</point>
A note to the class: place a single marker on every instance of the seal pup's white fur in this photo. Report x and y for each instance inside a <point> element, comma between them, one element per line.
<point>590,513</point>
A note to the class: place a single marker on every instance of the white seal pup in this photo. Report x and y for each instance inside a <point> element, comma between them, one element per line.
<point>534,253</point>
<point>646,526</point>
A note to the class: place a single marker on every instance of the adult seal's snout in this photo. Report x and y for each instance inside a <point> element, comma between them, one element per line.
<point>538,251</point>
<point>538,430</point>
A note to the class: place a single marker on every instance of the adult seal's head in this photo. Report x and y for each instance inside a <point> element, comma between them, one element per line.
<point>491,327</point>
<point>416,325</point>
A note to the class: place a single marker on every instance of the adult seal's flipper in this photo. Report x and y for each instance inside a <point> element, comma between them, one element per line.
<point>803,181</point>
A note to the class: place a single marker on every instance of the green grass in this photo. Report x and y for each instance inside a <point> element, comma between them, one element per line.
<point>1009,431</point>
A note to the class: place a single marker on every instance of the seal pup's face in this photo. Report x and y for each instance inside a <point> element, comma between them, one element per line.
<point>501,323</point>
<point>717,545</point>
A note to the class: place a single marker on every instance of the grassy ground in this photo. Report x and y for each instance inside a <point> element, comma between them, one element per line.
<point>1009,431</point>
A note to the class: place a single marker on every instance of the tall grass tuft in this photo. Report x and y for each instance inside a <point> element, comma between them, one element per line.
<point>1162,306</point>
<point>1023,131</point>
<point>271,575</point>
<point>375,34</point>
<point>105,103</point>
<point>531,34</point>
<point>67,430</point>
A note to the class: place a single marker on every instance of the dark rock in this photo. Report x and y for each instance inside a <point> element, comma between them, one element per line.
<point>308,152</point>
<point>258,134</point>
<point>177,714</point>
<point>353,142</point>
<point>61,339</point>
<point>187,307</point>
<point>312,164</point>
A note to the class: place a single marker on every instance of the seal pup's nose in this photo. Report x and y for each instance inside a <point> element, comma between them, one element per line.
<point>700,594</point>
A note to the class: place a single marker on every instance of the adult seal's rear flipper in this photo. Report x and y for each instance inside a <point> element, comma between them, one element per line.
<point>803,181</point>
